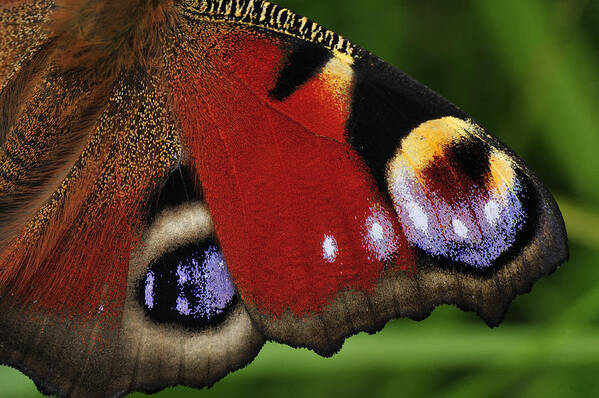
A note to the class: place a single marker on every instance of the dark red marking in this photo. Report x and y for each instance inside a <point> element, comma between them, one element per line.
<point>277,179</point>
<point>447,178</point>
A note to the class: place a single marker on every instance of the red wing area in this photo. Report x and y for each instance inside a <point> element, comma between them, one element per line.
<point>296,211</point>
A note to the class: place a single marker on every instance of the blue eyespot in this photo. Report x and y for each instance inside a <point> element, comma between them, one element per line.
<point>190,286</point>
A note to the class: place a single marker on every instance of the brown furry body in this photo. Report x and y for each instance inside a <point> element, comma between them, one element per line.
<point>69,156</point>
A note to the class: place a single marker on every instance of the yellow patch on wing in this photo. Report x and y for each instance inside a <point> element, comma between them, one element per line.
<point>502,172</point>
<point>337,77</point>
<point>428,141</point>
<point>346,58</point>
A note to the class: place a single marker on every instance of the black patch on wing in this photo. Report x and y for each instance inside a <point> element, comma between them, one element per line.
<point>167,289</point>
<point>471,156</point>
<point>386,106</point>
<point>179,187</point>
<point>304,62</point>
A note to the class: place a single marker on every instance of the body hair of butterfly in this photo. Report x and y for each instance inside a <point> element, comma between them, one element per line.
<point>51,242</point>
<point>106,36</point>
<point>99,39</point>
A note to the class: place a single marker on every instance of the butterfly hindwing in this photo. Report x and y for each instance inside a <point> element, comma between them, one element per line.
<point>72,318</point>
<point>182,180</point>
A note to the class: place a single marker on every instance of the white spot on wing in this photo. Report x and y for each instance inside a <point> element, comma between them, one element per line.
<point>459,228</point>
<point>376,232</point>
<point>492,212</point>
<point>329,248</point>
<point>418,216</point>
<point>380,236</point>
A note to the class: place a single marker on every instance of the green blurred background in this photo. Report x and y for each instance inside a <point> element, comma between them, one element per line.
<point>529,71</point>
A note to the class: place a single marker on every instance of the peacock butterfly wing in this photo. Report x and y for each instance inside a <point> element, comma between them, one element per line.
<point>362,195</point>
<point>231,172</point>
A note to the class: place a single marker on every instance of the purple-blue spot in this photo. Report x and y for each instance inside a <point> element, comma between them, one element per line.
<point>190,285</point>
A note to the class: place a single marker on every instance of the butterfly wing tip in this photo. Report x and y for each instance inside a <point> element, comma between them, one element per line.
<point>493,316</point>
<point>547,252</point>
